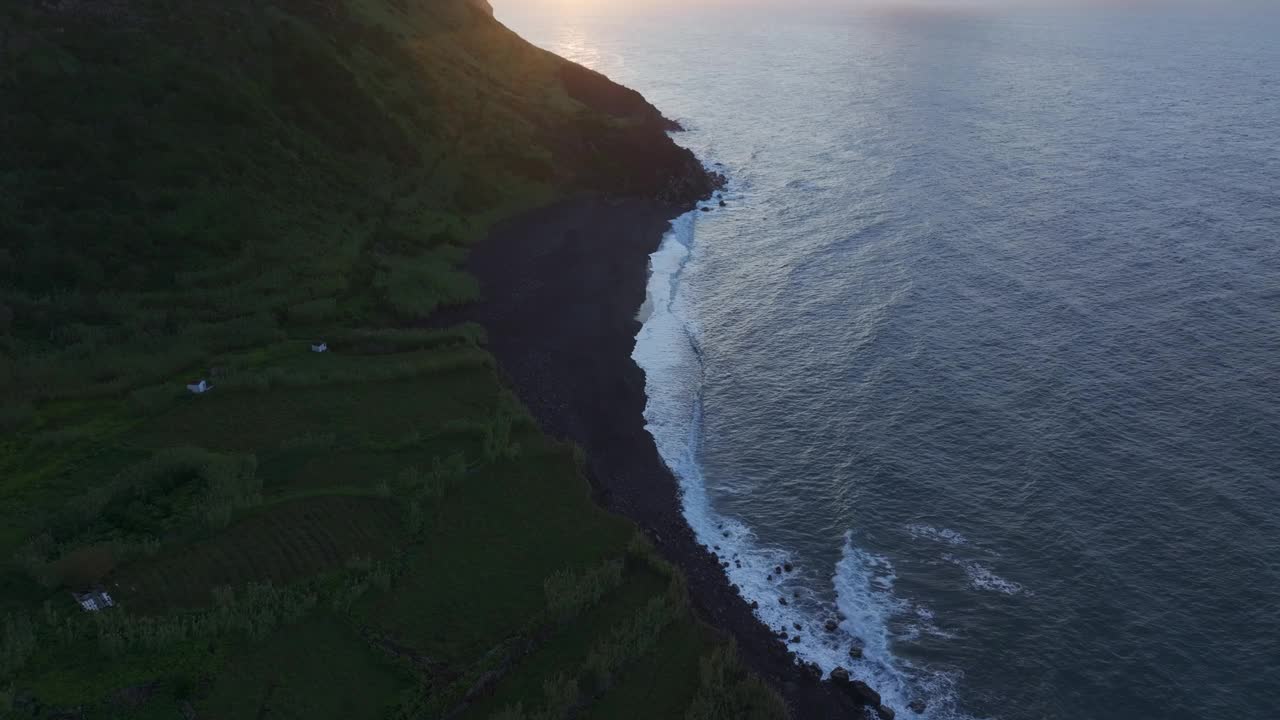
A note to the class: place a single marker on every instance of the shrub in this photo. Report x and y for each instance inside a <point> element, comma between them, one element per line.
<point>191,487</point>
<point>562,695</point>
<point>18,643</point>
<point>497,444</point>
<point>729,692</point>
<point>569,593</point>
<point>630,641</point>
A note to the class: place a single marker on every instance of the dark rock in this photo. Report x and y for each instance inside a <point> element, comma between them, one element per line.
<point>755,605</point>
<point>707,209</point>
<point>916,706</point>
<point>717,548</point>
<point>722,203</point>
<point>832,626</point>
<point>839,675</point>
<point>885,712</point>
<point>795,638</point>
<point>782,601</point>
<point>787,567</point>
<point>777,569</point>
<point>855,652</point>
<point>863,693</point>
<point>796,625</point>
<point>811,671</point>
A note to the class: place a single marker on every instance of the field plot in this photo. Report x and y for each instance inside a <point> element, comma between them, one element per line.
<point>283,543</point>
<point>478,576</point>
<point>319,670</point>
<point>253,420</point>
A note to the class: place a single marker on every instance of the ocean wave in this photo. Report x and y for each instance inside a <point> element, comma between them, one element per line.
<point>794,600</point>
<point>982,577</point>
<point>942,535</point>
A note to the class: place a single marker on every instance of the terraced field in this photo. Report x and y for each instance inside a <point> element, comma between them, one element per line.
<point>201,190</point>
<point>289,541</point>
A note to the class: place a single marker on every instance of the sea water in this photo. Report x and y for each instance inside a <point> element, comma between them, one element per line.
<point>985,344</point>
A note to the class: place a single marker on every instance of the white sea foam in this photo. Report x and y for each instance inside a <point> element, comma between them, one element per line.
<point>942,535</point>
<point>982,577</point>
<point>861,583</point>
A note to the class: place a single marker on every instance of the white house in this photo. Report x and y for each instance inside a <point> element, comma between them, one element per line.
<point>320,347</point>
<point>94,600</point>
<point>199,387</point>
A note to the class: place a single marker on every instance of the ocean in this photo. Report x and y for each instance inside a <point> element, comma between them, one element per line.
<point>984,345</point>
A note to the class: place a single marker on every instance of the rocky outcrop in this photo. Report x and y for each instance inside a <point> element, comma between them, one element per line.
<point>635,156</point>
<point>856,689</point>
<point>604,95</point>
<point>483,6</point>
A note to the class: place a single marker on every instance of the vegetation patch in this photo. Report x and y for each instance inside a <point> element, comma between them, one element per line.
<point>372,527</point>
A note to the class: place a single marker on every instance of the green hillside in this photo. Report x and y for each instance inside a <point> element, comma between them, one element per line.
<point>203,189</point>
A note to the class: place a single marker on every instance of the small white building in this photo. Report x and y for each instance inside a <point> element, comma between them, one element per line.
<point>320,347</point>
<point>199,387</point>
<point>94,600</point>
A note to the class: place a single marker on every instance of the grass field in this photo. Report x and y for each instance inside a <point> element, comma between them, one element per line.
<point>285,542</point>
<point>432,576</point>
<point>201,190</point>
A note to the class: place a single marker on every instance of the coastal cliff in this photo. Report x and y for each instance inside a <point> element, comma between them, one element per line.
<point>222,223</point>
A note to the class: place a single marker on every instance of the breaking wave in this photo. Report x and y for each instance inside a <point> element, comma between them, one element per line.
<point>848,618</point>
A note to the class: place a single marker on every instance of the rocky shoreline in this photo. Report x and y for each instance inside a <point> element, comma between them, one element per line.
<point>561,287</point>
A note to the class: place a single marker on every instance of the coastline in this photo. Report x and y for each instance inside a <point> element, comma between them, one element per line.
<point>561,287</point>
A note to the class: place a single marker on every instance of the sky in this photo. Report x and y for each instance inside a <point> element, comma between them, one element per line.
<point>603,5</point>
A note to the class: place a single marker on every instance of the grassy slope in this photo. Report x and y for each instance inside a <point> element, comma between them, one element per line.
<point>199,189</point>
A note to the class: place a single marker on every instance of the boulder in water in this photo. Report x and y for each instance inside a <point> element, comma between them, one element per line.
<point>863,693</point>
<point>885,712</point>
<point>916,706</point>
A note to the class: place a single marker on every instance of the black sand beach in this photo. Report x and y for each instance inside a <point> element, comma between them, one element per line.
<point>562,286</point>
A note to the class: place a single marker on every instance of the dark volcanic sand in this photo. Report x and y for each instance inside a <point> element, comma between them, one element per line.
<point>562,286</point>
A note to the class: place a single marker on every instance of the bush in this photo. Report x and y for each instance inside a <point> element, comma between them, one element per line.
<point>497,439</point>
<point>562,695</point>
<point>569,593</point>
<point>629,642</point>
<point>729,692</point>
<point>414,287</point>
<point>165,497</point>
<point>18,643</point>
